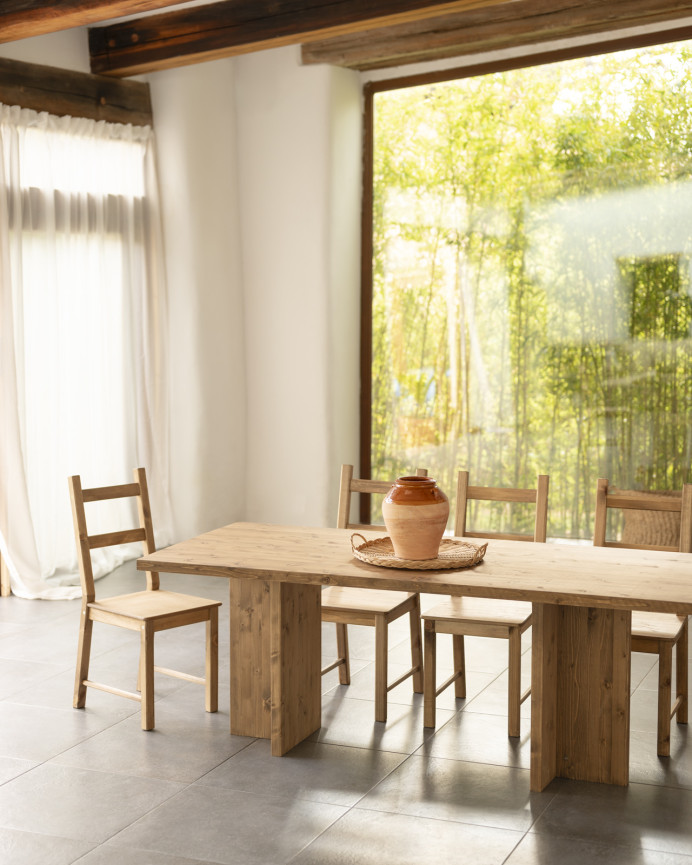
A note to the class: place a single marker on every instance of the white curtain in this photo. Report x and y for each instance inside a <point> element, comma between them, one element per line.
<point>82,316</point>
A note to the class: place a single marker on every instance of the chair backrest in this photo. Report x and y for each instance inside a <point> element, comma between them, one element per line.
<point>86,542</point>
<point>350,485</point>
<point>538,497</point>
<point>672,531</point>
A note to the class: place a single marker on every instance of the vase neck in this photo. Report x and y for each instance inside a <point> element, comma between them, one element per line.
<point>416,481</point>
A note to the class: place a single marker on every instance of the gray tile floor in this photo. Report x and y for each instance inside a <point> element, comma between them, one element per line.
<point>90,787</point>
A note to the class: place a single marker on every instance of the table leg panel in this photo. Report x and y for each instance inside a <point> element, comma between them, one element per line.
<point>296,649</point>
<point>580,700</point>
<point>544,673</point>
<point>622,670</point>
<point>593,683</point>
<point>249,605</point>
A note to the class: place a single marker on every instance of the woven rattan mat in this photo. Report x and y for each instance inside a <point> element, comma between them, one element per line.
<point>452,554</point>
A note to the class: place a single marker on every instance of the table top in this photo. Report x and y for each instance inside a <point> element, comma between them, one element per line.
<point>576,575</point>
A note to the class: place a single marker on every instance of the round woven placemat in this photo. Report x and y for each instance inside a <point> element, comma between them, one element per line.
<point>452,554</point>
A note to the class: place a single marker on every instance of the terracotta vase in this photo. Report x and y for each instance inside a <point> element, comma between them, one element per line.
<point>415,513</point>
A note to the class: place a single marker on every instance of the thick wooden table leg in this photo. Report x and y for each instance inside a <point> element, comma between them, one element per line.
<point>275,661</point>
<point>580,694</point>
<point>296,641</point>
<point>250,658</point>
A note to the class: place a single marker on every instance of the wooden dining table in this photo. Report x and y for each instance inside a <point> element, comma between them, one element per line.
<point>582,598</point>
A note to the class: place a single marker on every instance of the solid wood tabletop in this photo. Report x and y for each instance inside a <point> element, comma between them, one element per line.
<point>572,574</point>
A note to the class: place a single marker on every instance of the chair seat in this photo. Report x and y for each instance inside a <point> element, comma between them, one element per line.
<point>487,611</point>
<point>152,604</point>
<point>657,626</point>
<point>349,599</point>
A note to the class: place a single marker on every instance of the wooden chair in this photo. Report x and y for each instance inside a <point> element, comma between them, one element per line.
<point>147,612</point>
<point>483,617</point>
<point>661,521</point>
<point>351,606</point>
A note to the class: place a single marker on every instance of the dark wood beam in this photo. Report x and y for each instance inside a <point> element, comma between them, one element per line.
<point>61,91</point>
<point>239,26</point>
<point>20,19</point>
<point>536,57</point>
<point>509,25</point>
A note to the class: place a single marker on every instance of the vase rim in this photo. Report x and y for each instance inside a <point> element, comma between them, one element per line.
<point>415,479</point>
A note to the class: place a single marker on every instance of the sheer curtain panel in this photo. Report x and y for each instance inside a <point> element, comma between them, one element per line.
<point>82,315</point>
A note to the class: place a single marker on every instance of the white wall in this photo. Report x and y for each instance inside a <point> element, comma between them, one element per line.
<point>259,161</point>
<point>68,49</point>
<point>299,157</point>
<point>195,133</point>
<point>345,184</point>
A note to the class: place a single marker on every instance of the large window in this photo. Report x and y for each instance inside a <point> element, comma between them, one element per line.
<point>531,292</point>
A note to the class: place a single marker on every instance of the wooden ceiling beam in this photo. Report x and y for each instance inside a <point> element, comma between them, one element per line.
<point>509,25</point>
<point>63,91</point>
<point>234,27</point>
<point>20,19</point>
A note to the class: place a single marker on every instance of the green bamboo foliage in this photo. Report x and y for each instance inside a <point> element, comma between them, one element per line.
<point>532,308</point>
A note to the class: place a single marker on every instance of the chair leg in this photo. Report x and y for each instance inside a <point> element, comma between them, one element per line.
<point>211,678</point>
<point>430,673</point>
<point>681,674</point>
<point>380,668</point>
<point>146,663</point>
<point>342,651</point>
<point>459,666</point>
<point>416,647</point>
<point>665,674</point>
<point>514,690</point>
<point>86,627</point>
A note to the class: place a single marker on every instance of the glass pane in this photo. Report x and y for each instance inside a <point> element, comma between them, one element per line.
<point>531,279</point>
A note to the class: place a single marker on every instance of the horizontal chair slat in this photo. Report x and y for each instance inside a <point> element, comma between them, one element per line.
<point>128,536</point>
<point>619,545</point>
<point>503,536</point>
<point>650,503</point>
<point>120,491</point>
<point>130,695</point>
<point>403,678</point>
<point>358,485</point>
<point>176,674</point>
<point>501,494</point>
